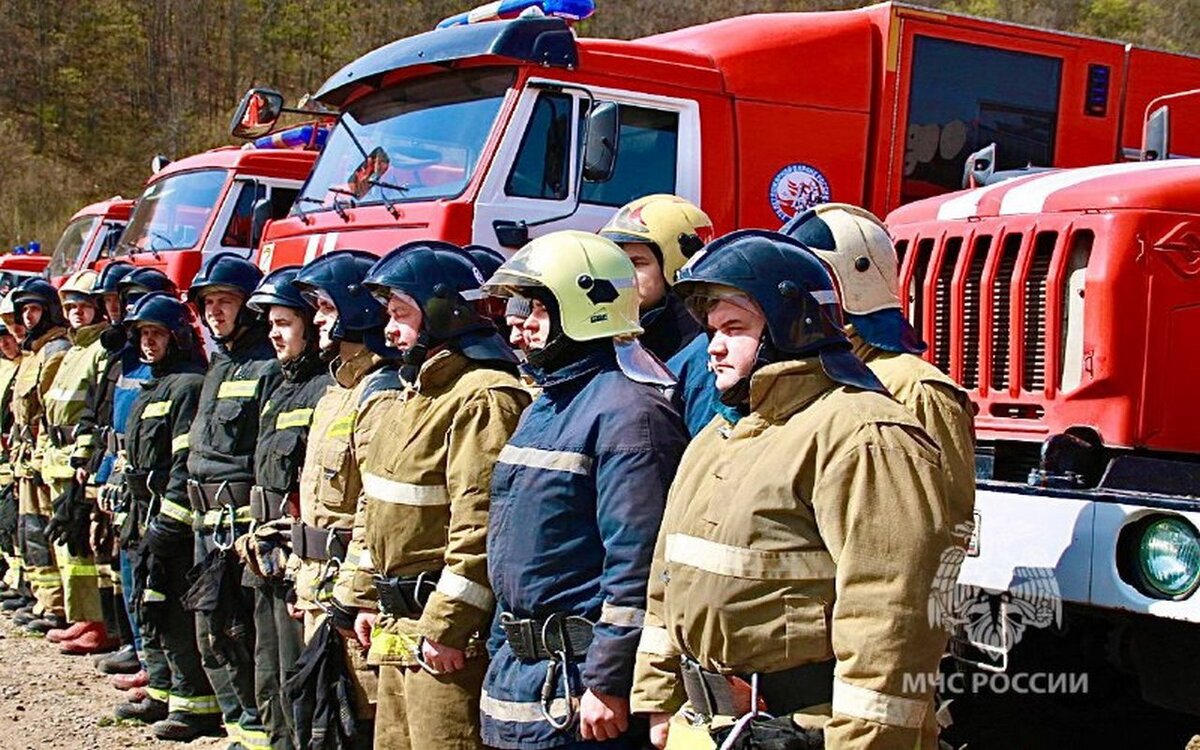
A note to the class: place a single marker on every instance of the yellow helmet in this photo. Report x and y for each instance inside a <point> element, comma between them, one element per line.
<point>854,245</point>
<point>590,277</point>
<point>80,284</point>
<point>676,227</point>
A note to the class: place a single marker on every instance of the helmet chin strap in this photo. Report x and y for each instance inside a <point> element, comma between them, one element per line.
<point>413,357</point>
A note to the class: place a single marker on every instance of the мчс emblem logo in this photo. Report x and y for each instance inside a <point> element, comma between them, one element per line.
<point>797,188</point>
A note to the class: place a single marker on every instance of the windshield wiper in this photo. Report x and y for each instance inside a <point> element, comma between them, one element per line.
<point>391,207</point>
<point>337,204</point>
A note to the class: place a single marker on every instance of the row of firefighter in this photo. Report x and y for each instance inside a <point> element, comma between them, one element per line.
<point>646,486</point>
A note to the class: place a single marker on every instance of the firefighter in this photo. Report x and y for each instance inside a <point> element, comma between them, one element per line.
<point>274,500</point>
<point>814,517</point>
<point>36,303</point>
<point>241,377</point>
<point>659,233</point>
<point>67,455</point>
<point>576,499</point>
<point>857,251</point>
<point>13,587</point>
<point>350,325</point>
<point>423,599</point>
<point>180,701</point>
<point>106,289</point>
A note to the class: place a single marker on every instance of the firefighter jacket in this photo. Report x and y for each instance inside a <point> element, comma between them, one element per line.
<point>8,375</point>
<point>696,395</point>
<point>427,490</point>
<point>107,409</point>
<point>157,440</point>
<point>34,375</point>
<point>942,408</point>
<point>811,529</point>
<point>283,433</point>
<point>344,423</point>
<point>668,327</point>
<point>240,378</point>
<point>77,380</point>
<point>577,497</point>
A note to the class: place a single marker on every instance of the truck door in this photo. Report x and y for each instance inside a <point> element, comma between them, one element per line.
<point>1044,99</point>
<point>532,177</point>
<point>231,229</point>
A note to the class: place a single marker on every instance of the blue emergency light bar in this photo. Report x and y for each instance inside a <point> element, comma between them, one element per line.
<point>35,247</point>
<point>503,10</point>
<point>300,136</point>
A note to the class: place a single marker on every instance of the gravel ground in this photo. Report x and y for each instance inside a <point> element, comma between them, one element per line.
<point>48,700</point>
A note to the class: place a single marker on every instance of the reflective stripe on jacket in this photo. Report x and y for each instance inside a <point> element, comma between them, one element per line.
<point>76,381</point>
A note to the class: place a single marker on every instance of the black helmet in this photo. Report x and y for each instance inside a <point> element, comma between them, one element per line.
<point>41,292</point>
<point>142,281</point>
<point>277,288</point>
<point>790,286</point>
<point>224,271</point>
<point>110,275</point>
<point>167,311</point>
<point>340,275</point>
<point>444,281</point>
<point>488,260</point>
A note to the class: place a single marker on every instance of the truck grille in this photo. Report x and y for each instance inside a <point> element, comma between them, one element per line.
<point>1004,300</point>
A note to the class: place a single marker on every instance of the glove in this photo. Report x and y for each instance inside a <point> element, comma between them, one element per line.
<point>102,535</point>
<point>780,733</point>
<point>341,615</point>
<point>72,521</point>
<point>167,538</point>
<point>265,551</point>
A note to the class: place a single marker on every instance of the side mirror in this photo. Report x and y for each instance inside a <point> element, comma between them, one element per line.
<point>511,234</point>
<point>1156,138</point>
<point>259,217</point>
<point>257,114</point>
<point>979,167</point>
<point>158,163</point>
<point>603,136</point>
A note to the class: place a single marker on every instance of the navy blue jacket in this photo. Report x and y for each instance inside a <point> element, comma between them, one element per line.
<point>696,395</point>
<point>577,499</point>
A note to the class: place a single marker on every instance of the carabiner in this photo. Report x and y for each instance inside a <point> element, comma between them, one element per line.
<point>217,528</point>
<point>547,698</point>
<point>421,657</point>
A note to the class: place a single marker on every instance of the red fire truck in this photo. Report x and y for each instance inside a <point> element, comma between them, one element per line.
<point>90,235</point>
<point>215,201</point>
<point>494,131</point>
<point>1066,302</point>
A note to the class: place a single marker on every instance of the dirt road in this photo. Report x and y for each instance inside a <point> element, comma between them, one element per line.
<point>48,700</point>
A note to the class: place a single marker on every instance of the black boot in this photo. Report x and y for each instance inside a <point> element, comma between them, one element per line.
<point>148,711</point>
<point>45,624</point>
<point>181,727</point>
<point>123,661</point>
<point>19,603</point>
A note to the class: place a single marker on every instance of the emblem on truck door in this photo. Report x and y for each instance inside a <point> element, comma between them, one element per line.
<point>797,188</point>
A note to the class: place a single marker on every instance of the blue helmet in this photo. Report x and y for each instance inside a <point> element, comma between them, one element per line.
<point>110,275</point>
<point>277,288</point>
<point>488,260</point>
<point>339,275</point>
<point>224,271</point>
<point>164,310</point>
<point>142,281</point>
<point>444,281</point>
<point>41,292</point>
<point>793,290</point>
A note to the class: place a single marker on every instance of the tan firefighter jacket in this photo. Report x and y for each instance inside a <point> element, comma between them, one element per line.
<point>427,490</point>
<point>811,529</point>
<point>942,408</point>
<point>33,379</point>
<point>344,422</point>
<point>8,374</point>
<point>76,381</point>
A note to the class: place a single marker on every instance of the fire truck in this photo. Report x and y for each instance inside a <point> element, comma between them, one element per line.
<point>90,235</point>
<point>492,131</point>
<point>1066,303</point>
<point>215,201</point>
<point>19,265</point>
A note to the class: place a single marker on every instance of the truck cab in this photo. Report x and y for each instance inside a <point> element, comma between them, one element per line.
<point>206,203</point>
<point>90,235</point>
<point>1066,303</point>
<point>486,132</point>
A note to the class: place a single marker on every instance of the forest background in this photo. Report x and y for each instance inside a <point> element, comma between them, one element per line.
<point>91,90</point>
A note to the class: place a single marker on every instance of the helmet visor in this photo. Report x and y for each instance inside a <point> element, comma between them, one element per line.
<point>702,298</point>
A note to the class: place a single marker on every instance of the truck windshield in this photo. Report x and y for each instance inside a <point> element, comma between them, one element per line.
<point>173,212</point>
<point>70,245</point>
<point>416,141</point>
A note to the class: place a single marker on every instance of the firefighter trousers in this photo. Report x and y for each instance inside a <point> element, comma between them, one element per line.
<point>277,645</point>
<point>170,654</point>
<point>421,711</point>
<point>41,570</point>
<point>80,576</point>
<point>233,683</point>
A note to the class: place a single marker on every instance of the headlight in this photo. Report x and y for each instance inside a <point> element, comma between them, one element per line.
<point>1169,557</point>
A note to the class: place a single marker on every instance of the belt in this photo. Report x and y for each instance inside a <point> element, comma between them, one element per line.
<point>405,596</point>
<point>269,505</point>
<point>711,693</point>
<point>534,639</point>
<point>114,442</point>
<point>60,436</point>
<point>319,545</point>
<point>207,496</point>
